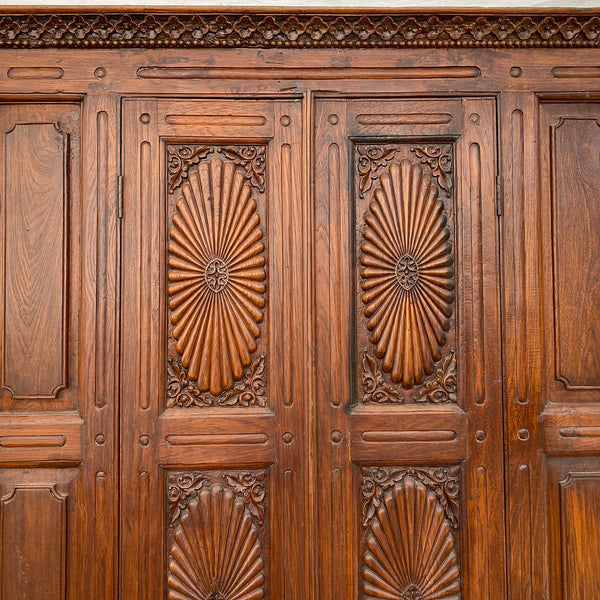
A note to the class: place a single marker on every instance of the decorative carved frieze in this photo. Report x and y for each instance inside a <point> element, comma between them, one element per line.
<point>281,29</point>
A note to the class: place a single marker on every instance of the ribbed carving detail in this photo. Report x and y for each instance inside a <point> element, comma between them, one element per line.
<point>410,548</point>
<point>217,275</point>
<point>407,274</point>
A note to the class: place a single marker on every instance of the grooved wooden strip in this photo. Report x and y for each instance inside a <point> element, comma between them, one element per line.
<point>102,174</point>
<point>576,72</point>
<point>405,119</point>
<point>478,322</point>
<point>579,432</point>
<point>483,541</point>
<point>32,441</point>
<point>217,120</point>
<point>524,515</point>
<point>214,439</point>
<point>449,72</point>
<point>409,436</point>
<point>35,73</point>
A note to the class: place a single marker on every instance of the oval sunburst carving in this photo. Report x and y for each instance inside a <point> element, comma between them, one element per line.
<point>217,275</point>
<point>410,549</point>
<point>407,273</point>
<point>216,553</point>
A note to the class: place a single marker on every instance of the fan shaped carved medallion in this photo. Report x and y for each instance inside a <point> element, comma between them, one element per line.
<point>410,551</point>
<point>407,274</point>
<point>217,275</point>
<point>216,553</point>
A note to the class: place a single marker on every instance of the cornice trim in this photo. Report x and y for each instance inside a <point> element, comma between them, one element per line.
<point>275,29</point>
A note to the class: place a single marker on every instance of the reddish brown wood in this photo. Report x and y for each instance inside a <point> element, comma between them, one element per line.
<point>345,306</point>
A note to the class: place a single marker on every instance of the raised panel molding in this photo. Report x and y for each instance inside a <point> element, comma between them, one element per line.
<point>580,533</point>
<point>216,535</point>
<point>217,291</point>
<point>410,551</point>
<point>407,278</point>
<point>34,519</point>
<point>575,221</point>
<point>34,348</point>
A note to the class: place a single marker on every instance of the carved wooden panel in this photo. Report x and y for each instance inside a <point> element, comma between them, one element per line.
<point>406,330</point>
<point>411,543</point>
<point>217,540</point>
<point>217,273</point>
<point>36,203</point>
<point>33,521</point>
<point>576,243</point>
<point>580,535</point>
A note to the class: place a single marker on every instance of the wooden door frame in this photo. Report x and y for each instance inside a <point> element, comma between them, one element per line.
<point>522,57</point>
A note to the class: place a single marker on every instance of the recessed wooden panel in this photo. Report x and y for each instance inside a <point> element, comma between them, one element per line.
<point>35,208</point>
<point>33,543</point>
<point>576,245</point>
<point>580,535</point>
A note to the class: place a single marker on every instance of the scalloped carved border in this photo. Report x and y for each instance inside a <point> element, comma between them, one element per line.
<point>286,29</point>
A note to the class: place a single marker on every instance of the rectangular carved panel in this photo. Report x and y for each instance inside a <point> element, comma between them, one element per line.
<point>580,533</point>
<point>33,520</point>
<point>575,139</point>
<point>217,539</point>
<point>39,254</point>
<point>405,317</point>
<point>216,275</point>
<point>410,542</point>
<point>35,198</point>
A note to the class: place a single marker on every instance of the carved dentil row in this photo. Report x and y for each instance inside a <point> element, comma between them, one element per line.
<point>298,30</point>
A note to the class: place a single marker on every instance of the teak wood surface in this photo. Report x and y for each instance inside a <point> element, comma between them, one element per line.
<point>299,305</point>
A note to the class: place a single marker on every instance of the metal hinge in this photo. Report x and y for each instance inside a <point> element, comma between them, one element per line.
<point>499,195</point>
<point>120,196</point>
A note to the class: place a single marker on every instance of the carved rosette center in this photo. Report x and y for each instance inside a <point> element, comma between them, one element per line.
<point>216,275</point>
<point>412,592</point>
<point>407,272</point>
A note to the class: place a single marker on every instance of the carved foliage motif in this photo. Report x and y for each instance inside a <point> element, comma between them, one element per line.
<point>442,388</point>
<point>180,157</point>
<point>216,552</point>
<point>298,30</point>
<point>216,283</point>
<point>250,391</point>
<point>439,158</point>
<point>443,481</point>
<point>410,553</point>
<point>407,274</point>
<point>249,486</point>
<point>370,159</point>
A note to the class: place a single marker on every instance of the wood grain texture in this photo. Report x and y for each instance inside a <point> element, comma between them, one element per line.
<point>317,442</point>
<point>35,263</point>
<point>34,564</point>
<point>580,544</point>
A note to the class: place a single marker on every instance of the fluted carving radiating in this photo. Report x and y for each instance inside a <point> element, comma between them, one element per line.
<point>217,275</point>
<point>407,273</point>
